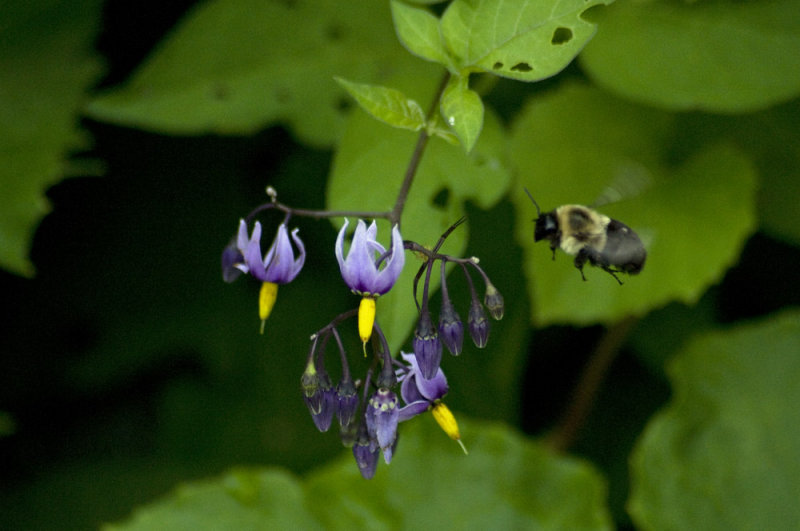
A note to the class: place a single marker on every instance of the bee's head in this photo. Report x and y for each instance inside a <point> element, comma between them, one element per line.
<point>546,226</point>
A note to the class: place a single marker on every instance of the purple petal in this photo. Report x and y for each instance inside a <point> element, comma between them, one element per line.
<point>252,254</point>
<point>386,278</point>
<point>412,410</point>
<point>241,237</point>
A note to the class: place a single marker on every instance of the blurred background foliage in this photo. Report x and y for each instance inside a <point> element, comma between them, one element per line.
<point>128,367</point>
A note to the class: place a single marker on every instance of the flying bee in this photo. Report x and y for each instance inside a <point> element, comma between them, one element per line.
<point>590,237</point>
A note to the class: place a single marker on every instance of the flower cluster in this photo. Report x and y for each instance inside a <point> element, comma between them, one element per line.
<point>368,409</point>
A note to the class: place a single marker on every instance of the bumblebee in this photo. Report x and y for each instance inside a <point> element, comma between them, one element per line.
<point>590,237</point>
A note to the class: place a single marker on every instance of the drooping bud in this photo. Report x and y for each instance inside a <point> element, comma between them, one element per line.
<point>478,324</point>
<point>427,346</point>
<point>328,403</point>
<point>365,454</point>
<point>494,302</point>
<point>309,383</point>
<point>347,402</point>
<point>451,329</point>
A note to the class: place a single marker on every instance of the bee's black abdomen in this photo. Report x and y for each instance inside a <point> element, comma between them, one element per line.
<point>624,250</point>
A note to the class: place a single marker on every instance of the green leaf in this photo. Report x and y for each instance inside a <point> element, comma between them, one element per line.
<point>719,56</point>
<point>462,109</point>
<point>368,169</point>
<point>46,65</point>
<point>512,484</point>
<point>723,454</point>
<point>418,30</point>
<point>237,66</point>
<point>388,105</point>
<point>242,499</point>
<point>518,39</point>
<point>694,218</point>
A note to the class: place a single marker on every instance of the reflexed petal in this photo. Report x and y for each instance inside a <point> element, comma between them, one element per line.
<point>241,237</point>
<point>412,410</point>
<point>252,254</point>
<point>394,265</point>
<point>301,260</point>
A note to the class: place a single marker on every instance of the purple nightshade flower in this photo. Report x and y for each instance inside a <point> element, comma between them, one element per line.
<point>381,418</point>
<point>360,270</point>
<point>427,346</point>
<point>279,265</point>
<point>421,395</point>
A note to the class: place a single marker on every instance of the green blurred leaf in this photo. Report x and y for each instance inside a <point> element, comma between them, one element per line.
<point>462,109</point>
<point>719,56</point>
<point>568,145</point>
<point>388,105</point>
<point>418,30</point>
<point>506,482</point>
<point>242,499</point>
<point>368,169</point>
<point>723,454</point>
<point>46,66</point>
<point>518,39</point>
<point>236,66</point>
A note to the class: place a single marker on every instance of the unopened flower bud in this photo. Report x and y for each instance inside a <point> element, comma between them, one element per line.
<point>494,302</point>
<point>427,346</point>
<point>347,402</point>
<point>451,329</point>
<point>478,324</point>
<point>366,454</point>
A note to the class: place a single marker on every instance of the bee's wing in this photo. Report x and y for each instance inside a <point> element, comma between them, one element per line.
<point>629,182</point>
<point>623,248</point>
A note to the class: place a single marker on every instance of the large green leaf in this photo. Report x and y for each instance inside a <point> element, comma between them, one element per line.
<point>367,172</point>
<point>723,454</point>
<point>720,56</point>
<point>505,482</point>
<point>236,66</point>
<point>518,39</point>
<point>46,65</point>
<point>569,145</point>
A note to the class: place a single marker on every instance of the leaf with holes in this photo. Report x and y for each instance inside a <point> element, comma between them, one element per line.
<point>518,39</point>
<point>388,105</point>
<point>718,56</point>
<point>237,66</point>
<point>462,109</point>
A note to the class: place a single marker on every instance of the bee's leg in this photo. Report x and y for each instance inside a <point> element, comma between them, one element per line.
<point>580,260</point>
<point>611,272</point>
<point>553,248</point>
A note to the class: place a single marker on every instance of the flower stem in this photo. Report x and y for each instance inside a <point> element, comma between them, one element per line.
<point>416,157</point>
